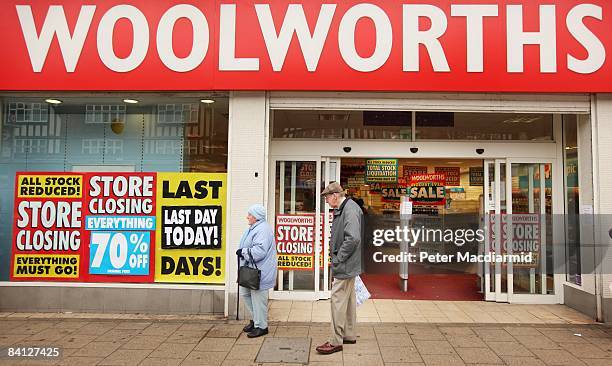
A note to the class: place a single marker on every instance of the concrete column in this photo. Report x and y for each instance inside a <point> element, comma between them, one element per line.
<point>247,175</point>
<point>602,190</point>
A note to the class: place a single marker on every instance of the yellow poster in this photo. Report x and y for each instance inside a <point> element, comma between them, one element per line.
<point>190,238</point>
<point>49,186</point>
<point>46,265</point>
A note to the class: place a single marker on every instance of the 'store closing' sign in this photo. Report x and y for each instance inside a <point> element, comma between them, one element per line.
<point>295,241</point>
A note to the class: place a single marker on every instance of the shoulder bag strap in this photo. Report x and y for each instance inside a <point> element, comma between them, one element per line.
<point>252,260</point>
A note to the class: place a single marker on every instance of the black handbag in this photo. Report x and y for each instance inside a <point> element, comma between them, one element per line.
<point>249,277</point>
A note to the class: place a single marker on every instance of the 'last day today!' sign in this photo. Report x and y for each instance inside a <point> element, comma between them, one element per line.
<point>191,210</point>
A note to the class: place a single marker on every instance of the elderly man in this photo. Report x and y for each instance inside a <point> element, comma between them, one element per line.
<point>345,248</point>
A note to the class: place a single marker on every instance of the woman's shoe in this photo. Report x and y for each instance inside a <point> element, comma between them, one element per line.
<point>249,328</point>
<point>257,332</point>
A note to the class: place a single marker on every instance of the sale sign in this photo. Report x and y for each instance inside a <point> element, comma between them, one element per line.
<point>120,225</point>
<point>190,243</point>
<point>47,232</point>
<point>427,189</point>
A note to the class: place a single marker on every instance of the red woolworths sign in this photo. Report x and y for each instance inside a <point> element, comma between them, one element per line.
<point>432,45</point>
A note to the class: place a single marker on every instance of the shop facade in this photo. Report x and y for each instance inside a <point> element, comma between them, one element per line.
<point>223,122</point>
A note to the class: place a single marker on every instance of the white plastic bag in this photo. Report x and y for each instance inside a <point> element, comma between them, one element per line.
<point>361,291</point>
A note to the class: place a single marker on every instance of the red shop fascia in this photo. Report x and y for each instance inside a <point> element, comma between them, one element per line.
<point>470,46</point>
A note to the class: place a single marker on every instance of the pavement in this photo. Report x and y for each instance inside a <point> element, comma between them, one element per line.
<point>428,311</point>
<point>122,339</point>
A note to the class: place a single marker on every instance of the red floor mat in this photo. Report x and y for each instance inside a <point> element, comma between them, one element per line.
<point>458,287</point>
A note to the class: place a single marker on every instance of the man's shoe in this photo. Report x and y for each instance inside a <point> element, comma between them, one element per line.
<point>328,348</point>
<point>249,328</point>
<point>257,332</point>
<point>349,341</point>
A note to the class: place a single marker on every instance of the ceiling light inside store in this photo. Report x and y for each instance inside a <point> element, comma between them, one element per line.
<point>521,120</point>
<point>207,101</point>
<point>130,101</point>
<point>53,101</point>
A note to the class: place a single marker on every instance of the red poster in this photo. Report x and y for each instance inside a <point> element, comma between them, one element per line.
<point>120,223</point>
<point>48,237</point>
<point>295,240</point>
<point>93,227</point>
<point>452,173</point>
<point>427,189</point>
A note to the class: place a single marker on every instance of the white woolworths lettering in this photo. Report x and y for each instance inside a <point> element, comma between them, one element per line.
<point>295,22</point>
<point>140,42</point>
<point>55,24</point>
<point>201,38</point>
<point>227,43</point>
<point>346,37</point>
<point>71,45</point>
<point>413,37</point>
<point>594,47</point>
<point>546,38</point>
<point>474,15</point>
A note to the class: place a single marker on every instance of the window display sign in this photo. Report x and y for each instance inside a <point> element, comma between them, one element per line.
<point>119,227</point>
<point>48,228</point>
<point>452,173</point>
<point>427,189</point>
<point>295,241</point>
<point>190,244</point>
<point>412,170</point>
<point>381,170</point>
<point>526,235</point>
<point>476,176</point>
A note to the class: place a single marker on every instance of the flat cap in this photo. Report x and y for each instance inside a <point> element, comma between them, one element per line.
<point>333,187</point>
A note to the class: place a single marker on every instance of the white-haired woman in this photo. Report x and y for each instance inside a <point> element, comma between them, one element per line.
<point>258,243</point>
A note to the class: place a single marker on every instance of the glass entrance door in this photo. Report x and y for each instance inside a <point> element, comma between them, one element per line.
<point>298,219</point>
<point>518,212</point>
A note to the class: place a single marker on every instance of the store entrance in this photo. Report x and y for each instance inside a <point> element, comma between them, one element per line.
<point>451,199</point>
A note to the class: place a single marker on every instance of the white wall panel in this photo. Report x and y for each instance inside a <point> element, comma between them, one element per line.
<point>247,146</point>
<point>456,102</point>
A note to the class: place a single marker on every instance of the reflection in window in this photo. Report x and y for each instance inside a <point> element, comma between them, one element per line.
<point>483,126</point>
<point>397,125</point>
<point>367,125</point>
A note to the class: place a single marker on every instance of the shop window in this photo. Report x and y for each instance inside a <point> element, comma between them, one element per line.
<point>397,125</point>
<point>100,131</point>
<point>361,125</point>
<point>483,126</point>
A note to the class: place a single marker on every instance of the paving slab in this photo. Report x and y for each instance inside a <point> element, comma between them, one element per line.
<point>290,350</point>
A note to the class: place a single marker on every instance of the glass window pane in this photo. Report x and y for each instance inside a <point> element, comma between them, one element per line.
<point>361,125</point>
<point>483,126</point>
